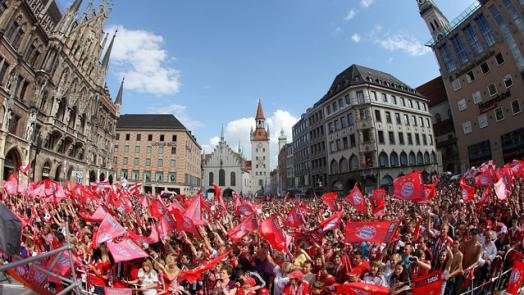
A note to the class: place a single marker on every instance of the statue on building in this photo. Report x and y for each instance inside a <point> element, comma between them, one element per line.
<point>31,122</point>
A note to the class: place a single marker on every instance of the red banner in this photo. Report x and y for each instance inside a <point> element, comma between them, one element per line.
<point>409,187</point>
<point>357,200</point>
<point>372,231</point>
<point>273,233</point>
<point>330,200</point>
<point>516,278</point>
<point>248,225</point>
<point>431,284</point>
<point>125,250</point>
<point>331,222</point>
<point>361,289</point>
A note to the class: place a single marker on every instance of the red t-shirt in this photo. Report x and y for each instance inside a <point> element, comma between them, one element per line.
<point>360,270</point>
<point>102,267</point>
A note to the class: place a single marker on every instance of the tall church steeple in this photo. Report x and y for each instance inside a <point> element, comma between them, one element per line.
<point>260,118</point>
<point>437,23</point>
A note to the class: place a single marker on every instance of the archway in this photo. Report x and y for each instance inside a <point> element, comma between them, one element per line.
<point>333,167</point>
<point>386,181</point>
<point>110,178</point>
<point>70,173</point>
<point>227,193</point>
<point>12,159</point>
<point>59,173</point>
<point>46,169</point>
<point>102,176</point>
<point>343,165</point>
<point>92,176</point>
<point>337,185</point>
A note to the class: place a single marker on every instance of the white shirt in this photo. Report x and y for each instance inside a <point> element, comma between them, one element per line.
<point>280,281</point>
<point>148,279</point>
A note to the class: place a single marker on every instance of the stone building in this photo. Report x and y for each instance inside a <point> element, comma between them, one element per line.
<point>56,112</point>
<point>260,154</point>
<point>226,169</point>
<point>481,60</point>
<point>159,152</point>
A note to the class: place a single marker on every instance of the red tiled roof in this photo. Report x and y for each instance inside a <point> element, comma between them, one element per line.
<point>260,112</point>
<point>434,90</point>
<point>260,134</point>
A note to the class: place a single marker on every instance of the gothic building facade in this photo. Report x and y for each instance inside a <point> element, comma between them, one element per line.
<point>56,113</point>
<point>260,154</point>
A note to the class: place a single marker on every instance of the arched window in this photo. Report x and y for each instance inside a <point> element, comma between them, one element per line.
<point>412,159</point>
<point>383,160</point>
<point>233,180</point>
<point>353,163</point>
<point>393,158</point>
<point>221,177</point>
<point>426,158</point>
<point>403,159</point>
<point>433,157</point>
<point>211,178</point>
<point>334,167</point>
<point>420,159</point>
<point>343,165</point>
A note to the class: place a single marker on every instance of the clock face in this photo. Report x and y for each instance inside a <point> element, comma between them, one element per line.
<point>259,145</point>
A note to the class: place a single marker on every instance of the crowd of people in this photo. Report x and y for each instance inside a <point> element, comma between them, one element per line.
<point>465,242</point>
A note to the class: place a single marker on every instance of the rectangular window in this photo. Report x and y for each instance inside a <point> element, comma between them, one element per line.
<point>388,117</point>
<point>470,77</point>
<point>148,149</point>
<point>173,150</point>
<point>339,145</point>
<point>397,119</point>
<point>381,137</point>
<point>172,163</point>
<point>484,68</point>
<point>430,139</point>
<point>366,136</point>
<point>117,136</point>
<point>427,123</point>
<point>515,106</point>
<point>172,177</point>
<point>135,175</point>
<point>377,116</point>
<point>401,138</point>
<point>483,121</point>
<point>126,148</point>
<point>420,122</point>
<point>334,106</point>
<point>128,136</point>
<point>499,58</point>
<point>384,97</point>
<point>161,150</point>
<point>456,85</point>
<point>462,105</point>
<point>417,139</point>
<point>472,39</point>
<point>124,161</point>
<point>499,114</point>
<point>508,82</point>
<point>3,70</point>
<point>410,139</point>
<point>328,110</point>
<point>410,103</point>
<point>340,103</point>
<point>391,137</point>
<point>160,163</point>
<point>137,149</point>
<point>332,147</point>
<point>485,29</point>
<point>345,143</point>
<point>459,49</point>
<point>406,120</point>
<point>447,58</point>
<point>492,89</point>
<point>135,161</point>
<point>150,137</point>
<point>394,98</point>
<point>161,137</point>
<point>147,176</point>
<point>331,127</point>
<point>347,99</point>
<point>403,101</point>
<point>374,95</point>
<point>352,140</point>
<point>424,139</point>
<point>148,162</point>
<point>116,148</point>
<point>343,122</point>
<point>350,119</point>
<point>159,176</point>
<point>477,97</point>
<point>413,120</point>
<point>173,138</point>
<point>123,173</point>
<point>360,96</point>
<point>466,127</point>
<point>138,137</point>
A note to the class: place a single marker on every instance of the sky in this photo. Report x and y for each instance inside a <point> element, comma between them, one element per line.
<point>208,62</point>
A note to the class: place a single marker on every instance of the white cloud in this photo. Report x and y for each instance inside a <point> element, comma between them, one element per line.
<point>336,31</point>
<point>366,3</point>
<point>140,57</point>
<point>356,38</point>
<point>179,111</point>
<point>350,15</point>
<point>401,42</point>
<point>237,132</point>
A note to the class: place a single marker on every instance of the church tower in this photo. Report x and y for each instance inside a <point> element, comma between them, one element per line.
<point>260,153</point>
<point>282,140</point>
<point>437,23</point>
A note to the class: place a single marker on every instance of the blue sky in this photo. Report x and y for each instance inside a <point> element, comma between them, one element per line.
<point>208,62</point>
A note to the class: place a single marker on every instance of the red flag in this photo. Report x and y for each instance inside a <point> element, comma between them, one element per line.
<point>485,178</point>
<point>117,291</point>
<point>134,189</point>
<point>506,174</point>
<point>330,199</point>
<point>62,265</point>
<point>378,199</point>
<point>371,231</point>
<point>99,214</point>
<point>295,218</point>
<point>125,250</point>
<point>245,208</point>
<point>500,189</point>
<point>194,274</point>
<point>219,196</point>
<point>357,200</point>
<point>194,211</point>
<point>166,226</point>
<point>485,196</point>
<point>429,191</point>
<point>516,278</point>
<point>157,207</point>
<point>11,185</point>
<point>270,229</point>
<point>24,169</point>
<point>431,284</point>
<point>331,222</point>
<point>517,168</point>
<point>108,230</point>
<point>468,192</point>
<point>184,223</point>
<point>409,187</point>
<point>361,289</point>
<point>248,225</point>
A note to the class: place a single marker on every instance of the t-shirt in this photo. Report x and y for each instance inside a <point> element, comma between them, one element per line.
<point>148,279</point>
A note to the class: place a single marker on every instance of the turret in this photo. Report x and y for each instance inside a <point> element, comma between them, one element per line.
<point>437,23</point>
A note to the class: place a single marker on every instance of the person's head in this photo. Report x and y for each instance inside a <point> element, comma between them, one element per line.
<point>170,260</point>
<point>399,268</point>
<point>444,231</point>
<point>184,259</point>
<point>443,256</point>
<point>394,258</point>
<point>456,245</point>
<point>408,249</point>
<point>225,272</point>
<point>356,258</point>
<point>375,268</point>
<point>419,253</point>
<point>147,265</point>
<point>308,267</point>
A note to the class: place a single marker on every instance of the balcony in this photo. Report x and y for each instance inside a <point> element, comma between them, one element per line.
<point>368,146</point>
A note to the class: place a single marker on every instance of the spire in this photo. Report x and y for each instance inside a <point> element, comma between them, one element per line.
<point>75,6</point>
<point>437,23</point>
<point>260,112</point>
<point>222,134</point>
<point>118,100</point>
<point>105,60</point>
